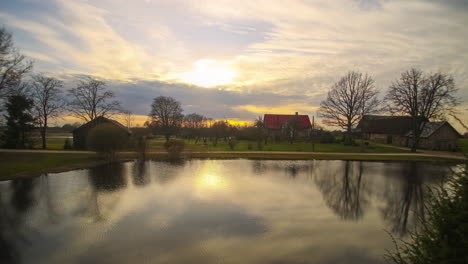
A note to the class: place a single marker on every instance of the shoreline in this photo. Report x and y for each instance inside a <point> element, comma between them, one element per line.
<point>33,163</point>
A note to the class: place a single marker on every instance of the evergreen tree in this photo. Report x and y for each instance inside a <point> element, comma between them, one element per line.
<point>19,121</point>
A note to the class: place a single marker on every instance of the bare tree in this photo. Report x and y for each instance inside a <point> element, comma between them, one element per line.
<point>13,65</point>
<point>128,118</point>
<point>194,120</point>
<point>165,116</point>
<point>423,97</point>
<point>91,99</point>
<point>193,124</point>
<point>48,101</point>
<point>353,96</point>
<point>261,130</point>
<point>219,129</point>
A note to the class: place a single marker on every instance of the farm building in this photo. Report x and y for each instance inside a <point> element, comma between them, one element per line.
<point>276,124</point>
<point>80,134</point>
<point>397,130</point>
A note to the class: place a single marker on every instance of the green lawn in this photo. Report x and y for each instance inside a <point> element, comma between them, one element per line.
<point>463,145</point>
<point>243,145</point>
<point>25,164</point>
<point>56,143</point>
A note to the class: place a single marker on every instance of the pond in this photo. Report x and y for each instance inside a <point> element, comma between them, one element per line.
<point>214,211</point>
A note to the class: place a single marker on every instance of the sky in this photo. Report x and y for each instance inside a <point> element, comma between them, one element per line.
<point>239,59</point>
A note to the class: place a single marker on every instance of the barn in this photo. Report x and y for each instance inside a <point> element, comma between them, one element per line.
<point>397,130</point>
<point>438,136</point>
<point>80,134</point>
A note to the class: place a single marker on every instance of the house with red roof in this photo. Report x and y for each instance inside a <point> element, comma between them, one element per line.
<point>277,124</point>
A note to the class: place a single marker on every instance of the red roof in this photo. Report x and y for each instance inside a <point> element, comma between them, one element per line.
<point>277,121</point>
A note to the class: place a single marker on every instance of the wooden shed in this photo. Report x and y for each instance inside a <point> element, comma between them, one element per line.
<point>80,134</point>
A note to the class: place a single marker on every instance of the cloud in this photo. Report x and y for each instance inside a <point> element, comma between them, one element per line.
<point>279,53</point>
<point>39,56</point>
<point>215,103</point>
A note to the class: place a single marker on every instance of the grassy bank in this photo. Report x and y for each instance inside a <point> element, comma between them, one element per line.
<point>14,165</point>
<point>307,156</point>
<point>24,164</point>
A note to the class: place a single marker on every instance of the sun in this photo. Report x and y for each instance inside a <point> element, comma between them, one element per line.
<point>209,73</point>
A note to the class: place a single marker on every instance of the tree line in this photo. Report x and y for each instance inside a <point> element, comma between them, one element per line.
<point>32,100</point>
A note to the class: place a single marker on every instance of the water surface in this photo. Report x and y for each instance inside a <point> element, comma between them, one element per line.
<point>213,211</point>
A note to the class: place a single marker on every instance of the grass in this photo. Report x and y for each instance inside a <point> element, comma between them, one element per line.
<point>463,143</point>
<point>13,165</point>
<point>29,164</point>
<point>307,156</point>
<point>157,145</point>
<point>55,141</point>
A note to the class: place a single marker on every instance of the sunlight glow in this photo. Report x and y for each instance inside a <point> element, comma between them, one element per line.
<point>209,73</point>
<point>211,181</point>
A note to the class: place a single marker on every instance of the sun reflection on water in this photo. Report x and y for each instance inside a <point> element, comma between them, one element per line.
<point>211,181</point>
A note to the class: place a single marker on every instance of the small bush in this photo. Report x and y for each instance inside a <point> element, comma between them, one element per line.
<point>249,146</point>
<point>260,145</point>
<point>174,148</point>
<point>327,138</point>
<point>442,236</point>
<point>232,142</point>
<point>67,144</point>
<point>107,139</point>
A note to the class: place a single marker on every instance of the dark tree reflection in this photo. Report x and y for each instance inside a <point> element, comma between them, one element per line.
<point>23,197</point>
<point>405,193</point>
<point>103,179</point>
<point>140,173</point>
<point>108,177</point>
<point>259,167</point>
<point>9,252</point>
<point>13,217</point>
<point>46,193</point>
<point>167,171</point>
<point>343,189</point>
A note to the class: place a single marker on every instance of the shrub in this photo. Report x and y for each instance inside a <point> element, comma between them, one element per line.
<point>442,235</point>
<point>249,146</point>
<point>174,148</point>
<point>67,144</point>
<point>260,145</point>
<point>232,142</point>
<point>107,139</point>
<point>327,138</point>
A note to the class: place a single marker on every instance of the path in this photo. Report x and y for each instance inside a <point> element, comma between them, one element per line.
<point>437,154</point>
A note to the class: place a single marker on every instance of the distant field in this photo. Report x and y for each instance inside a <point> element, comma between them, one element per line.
<point>243,145</point>
<point>55,141</point>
